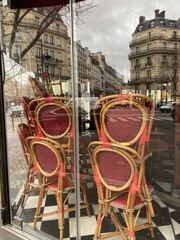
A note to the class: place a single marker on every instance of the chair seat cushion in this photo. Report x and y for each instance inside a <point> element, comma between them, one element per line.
<point>121,201</point>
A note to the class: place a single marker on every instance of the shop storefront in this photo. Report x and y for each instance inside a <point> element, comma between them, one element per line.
<point>89,120</point>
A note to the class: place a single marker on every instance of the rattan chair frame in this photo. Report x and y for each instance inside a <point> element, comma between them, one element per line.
<point>31,175</point>
<point>143,149</point>
<point>58,176</point>
<point>67,135</point>
<point>107,193</point>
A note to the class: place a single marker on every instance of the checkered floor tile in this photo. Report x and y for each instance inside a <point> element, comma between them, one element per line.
<point>166,222</point>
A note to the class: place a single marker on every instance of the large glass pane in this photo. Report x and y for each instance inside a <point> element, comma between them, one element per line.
<point>88,79</point>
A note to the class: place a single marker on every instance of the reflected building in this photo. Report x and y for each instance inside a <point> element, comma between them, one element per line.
<point>154,58</point>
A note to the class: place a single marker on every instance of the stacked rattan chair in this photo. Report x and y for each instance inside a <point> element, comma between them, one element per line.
<point>126,121</point>
<point>30,184</point>
<point>49,158</point>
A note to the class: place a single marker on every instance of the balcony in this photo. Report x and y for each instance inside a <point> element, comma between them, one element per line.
<point>137,66</point>
<point>148,65</point>
<point>164,63</point>
<point>152,38</point>
<point>154,50</point>
<point>160,80</point>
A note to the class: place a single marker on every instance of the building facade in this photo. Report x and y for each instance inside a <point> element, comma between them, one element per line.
<point>154,57</point>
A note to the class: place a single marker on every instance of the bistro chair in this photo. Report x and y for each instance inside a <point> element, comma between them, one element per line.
<point>37,102</point>
<point>31,175</point>
<point>38,87</point>
<point>125,119</point>
<point>118,182</point>
<point>54,120</point>
<point>49,159</point>
<point>25,103</point>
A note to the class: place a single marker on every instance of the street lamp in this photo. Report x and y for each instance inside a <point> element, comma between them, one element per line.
<point>44,57</point>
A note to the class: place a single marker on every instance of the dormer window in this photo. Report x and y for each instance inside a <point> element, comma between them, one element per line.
<point>140,28</point>
<point>161,22</point>
<point>172,24</point>
<point>152,23</point>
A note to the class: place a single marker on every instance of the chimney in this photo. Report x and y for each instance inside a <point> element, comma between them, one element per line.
<point>156,13</point>
<point>142,19</point>
<point>162,14</point>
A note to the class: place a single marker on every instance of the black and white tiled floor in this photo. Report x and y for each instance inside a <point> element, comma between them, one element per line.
<point>166,222</point>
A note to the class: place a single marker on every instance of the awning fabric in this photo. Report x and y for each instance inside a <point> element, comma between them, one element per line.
<point>35,3</point>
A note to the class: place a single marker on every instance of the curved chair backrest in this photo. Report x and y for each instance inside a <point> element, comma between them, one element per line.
<point>48,156</point>
<point>114,167</point>
<point>24,132</point>
<point>54,119</point>
<point>125,118</point>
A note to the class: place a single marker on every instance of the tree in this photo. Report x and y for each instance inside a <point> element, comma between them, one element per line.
<point>18,15</point>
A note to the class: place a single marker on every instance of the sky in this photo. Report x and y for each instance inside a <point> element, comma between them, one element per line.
<point>108,27</point>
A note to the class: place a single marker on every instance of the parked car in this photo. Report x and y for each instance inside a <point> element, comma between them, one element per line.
<point>167,107</point>
<point>16,111</point>
<point>175,112</point>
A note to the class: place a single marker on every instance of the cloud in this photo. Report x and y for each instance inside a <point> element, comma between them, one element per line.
<point>108,28</point>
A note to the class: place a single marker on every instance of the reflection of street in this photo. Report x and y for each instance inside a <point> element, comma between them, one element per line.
<point>161,167</point>
<point>15,156</point>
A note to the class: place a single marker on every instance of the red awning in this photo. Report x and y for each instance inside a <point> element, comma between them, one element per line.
<point>37,3</point>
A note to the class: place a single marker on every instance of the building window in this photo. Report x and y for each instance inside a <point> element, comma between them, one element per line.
<point>149,46</point>
<point>52,55</point>
<point>149,34</point>
<point>59,55</point>
<point>18,51</point>
<point>152,23</point>
<point>172,24</point>
<point>52,71</point>
<point>140,28</point>
<point>161,22</point>
<point>39,69</point>
<point>57,28</point>
<point>45,38</point>
<point>148,74</point>
<point>46,52</point>
<point>174,34</point>
<point>52,40</point>
<point>37,21</point>
<point>137,50</point>
<point>137,75</point>
<point>18,35</point>
<point>38,52</point>
<point>174,74</point>
<point>58,42</point>
<point>59,72</point>
<point>164,45</point>
<point>46,68</point>
<point>149,61</point>
<point>175,46</point>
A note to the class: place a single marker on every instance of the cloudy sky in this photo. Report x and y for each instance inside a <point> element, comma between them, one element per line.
<point>108,27</point>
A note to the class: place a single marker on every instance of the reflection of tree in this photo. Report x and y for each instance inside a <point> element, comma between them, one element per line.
<point>17,17</point>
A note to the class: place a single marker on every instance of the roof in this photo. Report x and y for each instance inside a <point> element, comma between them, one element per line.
<point>163,22</point>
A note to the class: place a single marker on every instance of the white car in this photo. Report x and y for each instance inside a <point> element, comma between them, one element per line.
<point>167,107</point>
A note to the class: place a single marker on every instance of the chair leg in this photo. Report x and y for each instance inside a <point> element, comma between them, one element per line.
<point>84,189</point>
<point>38,209</point>
<point>117,224</point>
<point>131,231</point>
<point>59,199</point>
<point>149,217</point>
<point>99,222</point>
<point>84,160</point>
